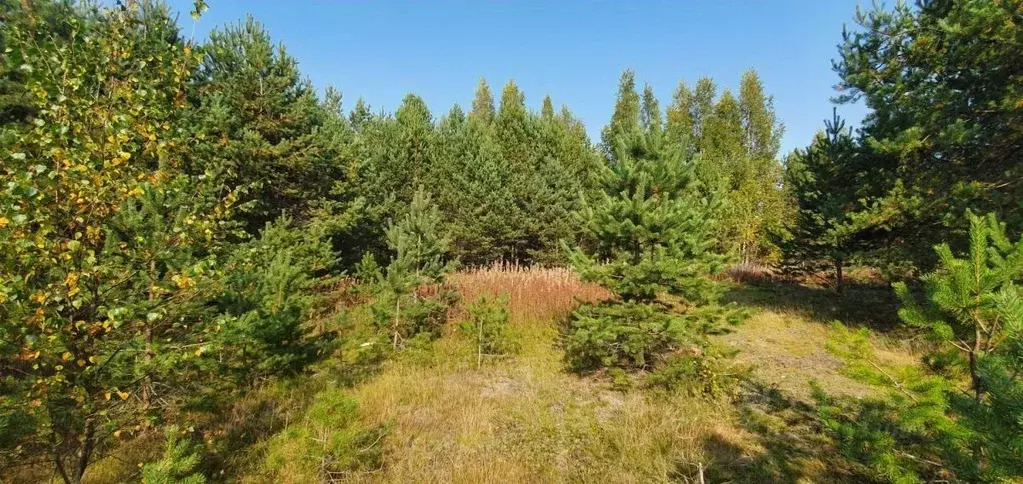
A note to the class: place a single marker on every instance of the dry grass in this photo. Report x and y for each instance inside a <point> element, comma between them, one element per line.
<point>431,416</point>
<point>525,420</point>
<point>533,292</point>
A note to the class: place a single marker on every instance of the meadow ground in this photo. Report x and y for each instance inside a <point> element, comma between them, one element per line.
<point>430,415</point>
<point>524,418</point>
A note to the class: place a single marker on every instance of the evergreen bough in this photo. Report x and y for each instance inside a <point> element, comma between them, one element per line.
<point>654,250</point>
<point>960,418</point>
<point>411,298</point>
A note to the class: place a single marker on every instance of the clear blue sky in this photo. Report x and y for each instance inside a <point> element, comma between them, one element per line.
<point>572,50</point>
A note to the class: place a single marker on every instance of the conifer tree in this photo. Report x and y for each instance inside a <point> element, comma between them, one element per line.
<point>419,257</point>
<point>820,180</point>
<point>360,115</point>
<point>625,118</point>
<point>271,287</point>
<point>178,464</point>
<point>473,192</point>
<point>514,130</point>
<point>654,234</point>
<point>958,416</point>
<point>942,135</point>
<point>261,120</point>
<point>483,103</point>
<point>547,109</point>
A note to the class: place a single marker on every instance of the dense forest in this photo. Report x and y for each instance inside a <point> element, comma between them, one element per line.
<point>212,271</point>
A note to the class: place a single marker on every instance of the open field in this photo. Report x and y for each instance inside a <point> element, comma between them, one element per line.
<point>524,418</point>
<point>429,415</point>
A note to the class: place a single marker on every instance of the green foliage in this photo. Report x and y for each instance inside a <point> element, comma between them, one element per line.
<point>623,335</point>
<point>487,325</point>
<point>178,464</point>
<point>270,289</point>
<point>654,238</point>
<point>654,229</point>
<point>942,82</point>
<point>262,124</point>
<point>326,442</point>
<point>961,418</point>
<point>822,187</point>
<point>625,119</point>
<point>107,243</point>
<point>410,297</point>
<point>695,373</point>
<point>735,145</point>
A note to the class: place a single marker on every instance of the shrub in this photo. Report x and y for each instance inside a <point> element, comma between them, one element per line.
<point>269,292</point>
<point>692,373</point>
<point>178,465</point>
<point>327,443</point>
<point>487,325</point>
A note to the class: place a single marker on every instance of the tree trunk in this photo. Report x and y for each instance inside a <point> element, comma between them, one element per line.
<point>397,314</point>
<point>88,440</point>
<point>479,346</point>
<point>839,276</point>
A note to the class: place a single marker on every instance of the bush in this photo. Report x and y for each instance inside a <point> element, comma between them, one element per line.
<point>269,292</point>
<point>327,443</point>
<point>624,335</point>
<point>488,327</point>
<point>694,373</point>
<point>178,465</point>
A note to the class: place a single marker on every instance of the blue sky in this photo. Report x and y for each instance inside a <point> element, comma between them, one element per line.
<point>572,50</point>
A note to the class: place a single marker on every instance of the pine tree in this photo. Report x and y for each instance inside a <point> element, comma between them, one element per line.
<point>483,103</point>
<point>943,128</point>
<point>420,257</point>
<point>958,416</point>
<point>360,115</point>
<point>547,110</point>
<point>625,118</point>
<point>261,121</point>
<point>516,133</point>
<point>473,191</point>
<point>820,181</point>
<point>178,464</point>
<point>654,234</point>
<point>271,288</point>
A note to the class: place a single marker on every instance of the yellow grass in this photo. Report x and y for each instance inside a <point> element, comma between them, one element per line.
<point>533,292</point>
<point>525,418</point>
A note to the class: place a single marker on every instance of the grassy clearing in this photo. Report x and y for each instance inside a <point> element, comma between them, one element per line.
<point>785,340</point>
<point>523,418</point>
<point>429,415</point>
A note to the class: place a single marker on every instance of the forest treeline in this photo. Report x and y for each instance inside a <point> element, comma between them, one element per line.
<point>172,212</point>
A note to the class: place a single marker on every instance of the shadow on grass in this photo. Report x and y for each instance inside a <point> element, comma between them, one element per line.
<point>785,444</point>
<point>862,305</point>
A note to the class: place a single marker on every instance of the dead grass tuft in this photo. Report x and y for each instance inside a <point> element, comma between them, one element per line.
<point>533,292</point>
